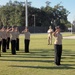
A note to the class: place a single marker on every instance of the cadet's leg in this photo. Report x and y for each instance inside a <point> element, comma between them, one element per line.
<point>28,45</point>
<point>0,48</point>
<point>8,41</point>
<point>17,44</point>
<point>3,45</point>
<point>55,47</point>
<point>13,47</point>
<point>25,45</point>
<point>48,40</point>
<point>59,52</point>
<point>57,55</point>
<point>51,40</point>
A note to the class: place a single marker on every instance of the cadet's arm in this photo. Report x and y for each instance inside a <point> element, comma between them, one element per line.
<point>54,33</point>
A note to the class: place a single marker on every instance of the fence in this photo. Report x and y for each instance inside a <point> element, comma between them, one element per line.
<point>34,29</point>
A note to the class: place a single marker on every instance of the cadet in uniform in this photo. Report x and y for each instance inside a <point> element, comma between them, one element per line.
<point>58,45</point>
<point>27,39</point>
<point>13,41</point>
<point>17,38</point>
<point>8,37</point>
<point>4,37</point>
<point>50,31</point>
<point>0,41</point>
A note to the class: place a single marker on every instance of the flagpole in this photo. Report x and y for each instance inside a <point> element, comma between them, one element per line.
<point>26,15</point>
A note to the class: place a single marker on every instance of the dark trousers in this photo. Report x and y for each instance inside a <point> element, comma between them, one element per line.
<point>58,53</point>
<point>26,42</point>
<point>17,44</point>
<point>8,41</point>
<point>13,47</point>
<point>0,48</point>
<point>3,45</point>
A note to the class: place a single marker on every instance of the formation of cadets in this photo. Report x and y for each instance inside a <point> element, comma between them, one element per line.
<point>12,34</point>
<point>8,35</point>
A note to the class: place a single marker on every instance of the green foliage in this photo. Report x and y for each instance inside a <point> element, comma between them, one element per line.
<point>13,13</point>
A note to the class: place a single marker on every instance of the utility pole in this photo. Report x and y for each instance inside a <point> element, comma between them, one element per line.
<point>26,14</point>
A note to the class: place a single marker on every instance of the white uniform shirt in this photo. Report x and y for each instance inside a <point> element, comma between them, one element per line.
<point>50,32</point>
<point>0,36</point>
<point>8,34</point>
<point>4,35</point>
<point>58,38</point>
<point>13,35</point>
<point>27,35</point>
<point>17,34</point>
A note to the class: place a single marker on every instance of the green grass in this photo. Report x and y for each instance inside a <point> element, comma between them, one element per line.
<point>68,34</point>
<point>40,60</point>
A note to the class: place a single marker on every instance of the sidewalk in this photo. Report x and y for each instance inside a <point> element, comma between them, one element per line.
<point>69,37</point>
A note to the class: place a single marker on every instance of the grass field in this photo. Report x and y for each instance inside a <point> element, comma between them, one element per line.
<point>40,60</point>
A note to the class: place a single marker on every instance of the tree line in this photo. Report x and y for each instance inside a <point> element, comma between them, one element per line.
<point>13,14</point>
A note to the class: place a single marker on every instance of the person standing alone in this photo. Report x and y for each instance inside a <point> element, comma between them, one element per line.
<point>0,41</point>
<point>58,45</point>
<point>50,31</point>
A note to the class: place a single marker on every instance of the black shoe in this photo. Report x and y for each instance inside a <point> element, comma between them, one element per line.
<point>57,64</point>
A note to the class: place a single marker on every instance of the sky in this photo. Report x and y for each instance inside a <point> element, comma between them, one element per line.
<point>68,4</point>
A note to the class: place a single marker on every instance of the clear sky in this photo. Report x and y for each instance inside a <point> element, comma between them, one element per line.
<point>68,4</point>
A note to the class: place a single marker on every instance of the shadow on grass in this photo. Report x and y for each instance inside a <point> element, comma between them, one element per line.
<point>34,53</point>
<point>68,54</point>
<point>64,66</point>
<point>46,61</point>
<point>41,53</point>
<point>46,56</point>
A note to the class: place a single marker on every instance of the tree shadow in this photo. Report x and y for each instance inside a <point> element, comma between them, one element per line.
<point>64,66</point>
<point>34,53</point>
<point>68,54</point>
<point>41,55</point>
<point>14,60</point>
